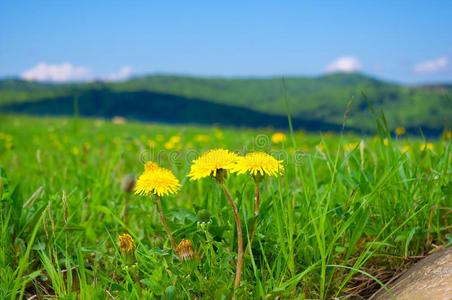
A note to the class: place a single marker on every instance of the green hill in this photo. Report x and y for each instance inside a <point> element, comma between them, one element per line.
<point>321,99</point>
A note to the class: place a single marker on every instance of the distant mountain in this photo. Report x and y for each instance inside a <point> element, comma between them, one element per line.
<point>320,100</point>
<point>159,107</point>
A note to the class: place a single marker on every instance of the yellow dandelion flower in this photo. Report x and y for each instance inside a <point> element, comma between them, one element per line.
<point>156,180</point>
<point>386,142</point>
<point>202,138</point>
<point>211,162</point>
<point>185,249</point>
<point>169,145</point>
<point>349,147</point>
<point>126,244</point>
<point>427,146</point>
<point>400,131</point>
<point>448,134</point>
<point>405,149</point>
<point>75,151</point>
<point>278,137</point>
<point>259,163</point>
<point>175,139</point>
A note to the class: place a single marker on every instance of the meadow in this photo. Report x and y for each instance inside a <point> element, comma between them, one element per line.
<point>348,214</point>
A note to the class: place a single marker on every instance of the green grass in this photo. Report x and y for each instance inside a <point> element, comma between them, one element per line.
<point>346,208</point>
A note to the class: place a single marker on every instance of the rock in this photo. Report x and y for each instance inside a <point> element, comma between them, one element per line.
<point>430,278</point>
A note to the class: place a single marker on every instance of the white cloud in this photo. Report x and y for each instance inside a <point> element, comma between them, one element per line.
<point>344,64</point>
<point>122,74</point>
<point>432,66</point>
<point>58,73</point>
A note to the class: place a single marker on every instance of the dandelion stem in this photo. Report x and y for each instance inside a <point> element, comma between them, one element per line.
<point>256,213</point>
<point>126,210</point>
<point>163,220</point>
<point>238,273</point>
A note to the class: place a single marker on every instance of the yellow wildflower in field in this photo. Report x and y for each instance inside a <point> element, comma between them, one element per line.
<point>259,163</point>
<point>400,131</point>
<point>175,139</point>
<point>216,163</point>
<point>278,137</point>
<point>185,249</point>
<point>427,146</point>
<point>350,146</point>
<point>75,151</point>
<point>156,180</point>
<point>386,142</point>
<point>211,162</point>
<point>126,244</point>
<point>169,145</point>
<point>202,138</point>
<point>448,134</point>
<point>404,149</point>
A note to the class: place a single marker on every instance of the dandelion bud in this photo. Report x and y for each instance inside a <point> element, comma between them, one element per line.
<point>126,244</point>
<point>203,216</point>
<point>185,250</point>
<point>128,183</point>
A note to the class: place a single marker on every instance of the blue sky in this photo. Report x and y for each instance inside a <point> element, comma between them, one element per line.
<point>405,41</point>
